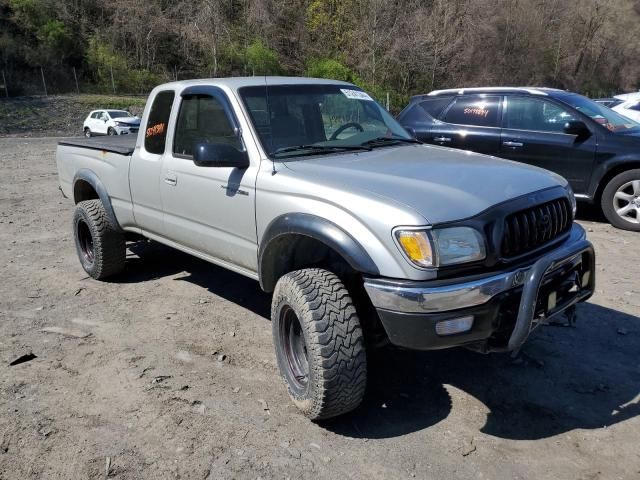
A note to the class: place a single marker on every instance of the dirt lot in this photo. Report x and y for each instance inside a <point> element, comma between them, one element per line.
<point>169,372</point>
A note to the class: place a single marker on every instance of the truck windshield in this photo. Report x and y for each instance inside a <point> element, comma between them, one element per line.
<point>298,120</point>
<point>601,114</point>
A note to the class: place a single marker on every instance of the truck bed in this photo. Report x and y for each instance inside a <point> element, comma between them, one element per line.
<point>121,144</point>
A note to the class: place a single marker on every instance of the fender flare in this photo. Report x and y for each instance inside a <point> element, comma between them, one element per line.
<point>315,227</point>
<point>92,179</point>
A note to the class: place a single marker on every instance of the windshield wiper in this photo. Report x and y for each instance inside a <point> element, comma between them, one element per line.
<point>318,148</point>
<point>379,141</point>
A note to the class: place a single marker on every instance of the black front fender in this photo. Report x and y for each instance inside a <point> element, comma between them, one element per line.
<point>317,228</point>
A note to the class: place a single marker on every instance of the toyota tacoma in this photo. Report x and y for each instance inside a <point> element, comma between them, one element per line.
<point>362,234</point>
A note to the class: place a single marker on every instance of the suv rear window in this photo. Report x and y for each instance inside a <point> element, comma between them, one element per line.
<point>156,132</point>
<point>477,111</point>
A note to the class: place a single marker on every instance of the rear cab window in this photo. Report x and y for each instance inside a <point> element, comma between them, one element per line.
<point>477,110</point>
<point>157,122</point>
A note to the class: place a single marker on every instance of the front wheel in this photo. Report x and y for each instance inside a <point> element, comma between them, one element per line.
<point>111,131</point>
<point>621,200</point>
<point>319,343</point>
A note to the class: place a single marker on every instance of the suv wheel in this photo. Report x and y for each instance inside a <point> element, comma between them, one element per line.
<point>621,200</point>
<point>100,247</point>
<point>319,343</point>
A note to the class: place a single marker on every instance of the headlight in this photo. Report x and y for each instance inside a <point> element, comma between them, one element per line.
<point>441,247</point>
<point>572,199</point>
<point>122,124</point>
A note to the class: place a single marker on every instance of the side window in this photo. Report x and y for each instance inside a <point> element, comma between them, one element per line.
<point>434,106</point>
<point>478,111</point>
<point>525,113</point>
<point>414,114</point>
<point>202,119</point>
<point>94,114</point>
<point>156,133</point>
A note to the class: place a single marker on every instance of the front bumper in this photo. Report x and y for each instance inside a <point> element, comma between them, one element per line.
<point>505,306</point>
<point>126,130</point>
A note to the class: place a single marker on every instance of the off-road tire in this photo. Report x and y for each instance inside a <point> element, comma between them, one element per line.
<point>87,132</point>
<point>334,344</point>
<point>100,245</point>
<point>607,201</point>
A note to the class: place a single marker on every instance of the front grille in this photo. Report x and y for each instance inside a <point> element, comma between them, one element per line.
<point>529,229</point>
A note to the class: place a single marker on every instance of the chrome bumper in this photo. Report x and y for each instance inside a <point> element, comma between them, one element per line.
<point>424,298</point>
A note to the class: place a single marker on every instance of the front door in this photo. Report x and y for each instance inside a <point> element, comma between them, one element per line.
<point>533,133</point>
<point>470,123</point>
<point>101,123</point>
<point>210,210</point>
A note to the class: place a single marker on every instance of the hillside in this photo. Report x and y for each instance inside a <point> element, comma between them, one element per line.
<point>59,115</point>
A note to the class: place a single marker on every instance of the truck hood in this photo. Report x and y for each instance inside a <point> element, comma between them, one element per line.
<point>440,184</point>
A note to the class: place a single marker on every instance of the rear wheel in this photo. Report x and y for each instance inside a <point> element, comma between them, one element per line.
<point>319,343</point>
<point>100,246</point>
<point>87,132</point>
<point>621,200</point>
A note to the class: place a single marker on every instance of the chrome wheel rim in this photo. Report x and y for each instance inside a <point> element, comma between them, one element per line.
<point>626,201</point>
<point>294,347</point>
<point>85,240</point>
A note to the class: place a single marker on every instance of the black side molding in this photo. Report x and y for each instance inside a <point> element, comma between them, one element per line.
<point>317,228</point>
<point>93,180</point>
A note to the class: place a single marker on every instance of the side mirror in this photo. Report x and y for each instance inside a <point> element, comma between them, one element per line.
<point>219,155</point>
<point>577,127</point>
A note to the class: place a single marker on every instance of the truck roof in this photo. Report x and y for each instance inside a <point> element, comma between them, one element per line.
<point>239,82</point>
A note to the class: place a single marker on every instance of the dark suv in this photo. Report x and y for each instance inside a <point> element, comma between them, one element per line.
<point>592,146</point>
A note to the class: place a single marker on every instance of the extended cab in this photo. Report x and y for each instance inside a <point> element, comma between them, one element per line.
<point>362,233</point>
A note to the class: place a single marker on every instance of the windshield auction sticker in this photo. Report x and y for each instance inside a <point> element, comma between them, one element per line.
<point>355,94</point>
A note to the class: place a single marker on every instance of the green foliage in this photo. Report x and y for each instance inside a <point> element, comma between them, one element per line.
<point>261,60</point>
<point>103,61</point>
<point>329,68</point>
<point>110,101</point>
<point>53,33</point>
<point>330,23</point>
<point>29,14</point>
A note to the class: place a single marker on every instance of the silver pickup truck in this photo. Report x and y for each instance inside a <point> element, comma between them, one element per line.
<point>362,233</point>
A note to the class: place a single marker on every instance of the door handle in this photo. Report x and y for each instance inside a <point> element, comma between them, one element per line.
<point>513,144</point>
<point>441,139</point>
<point>171,180</point>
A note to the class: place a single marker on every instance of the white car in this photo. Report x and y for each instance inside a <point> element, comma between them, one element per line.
<point>630,108</point>
<point>110,122</point>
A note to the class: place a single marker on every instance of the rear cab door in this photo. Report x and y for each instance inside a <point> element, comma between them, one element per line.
<point>470,122</point>
<point>146,164</point>
<point>533,133</point>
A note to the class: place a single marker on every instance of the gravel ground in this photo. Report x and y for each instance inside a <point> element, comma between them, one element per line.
<point>169,372</point>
